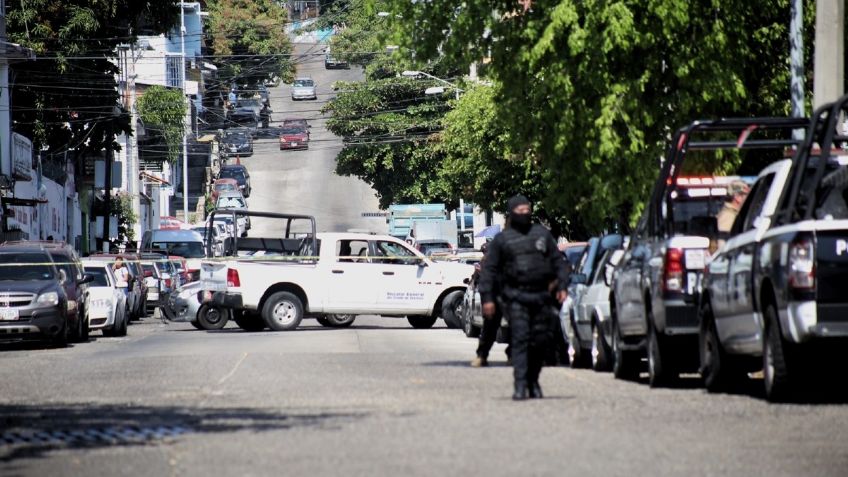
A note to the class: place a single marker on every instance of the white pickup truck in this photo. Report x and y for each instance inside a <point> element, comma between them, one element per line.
<point>276,282</point>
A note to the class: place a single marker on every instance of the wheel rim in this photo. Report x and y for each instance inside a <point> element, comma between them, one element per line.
<point>768,364</point>
<point>213,316</point>
<point>651,350</point>
<point>284,313</point>
<point>595,345</point>
<point>340,319</point>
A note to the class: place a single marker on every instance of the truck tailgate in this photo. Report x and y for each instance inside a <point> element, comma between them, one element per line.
<point>213,275</point>
<point>832,275</point>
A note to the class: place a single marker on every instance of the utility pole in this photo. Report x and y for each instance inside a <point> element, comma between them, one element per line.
<point>5,92</point>
<point>829,74</point>
<point>186,125</point>
<point>107,187</point>
<point>796,58</point>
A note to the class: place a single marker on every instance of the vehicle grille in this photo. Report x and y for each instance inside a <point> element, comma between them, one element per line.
<point>15,299</point>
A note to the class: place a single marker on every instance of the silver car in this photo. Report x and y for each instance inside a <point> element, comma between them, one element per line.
<point>304,88</point>
<point>184,306</point>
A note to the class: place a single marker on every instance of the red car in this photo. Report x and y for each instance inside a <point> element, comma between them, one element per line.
<point>223,185</point>
<point>294,138</point>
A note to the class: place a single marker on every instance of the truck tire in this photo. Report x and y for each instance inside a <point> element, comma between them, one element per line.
<point>195,324</point>
<point>601,352</point>
<point>659,370</point>
<point>212,317</point>
<point>421,322</point>
<point>468,327</point>
<point>282,311</point>
<point>337,321</point>
<point>249,322</point>
<point>452,308</point>
<point>777,377</point>
<point>120,328</point>
<point>577,359</point>
<point>626,363</point>
<point>718,369</point>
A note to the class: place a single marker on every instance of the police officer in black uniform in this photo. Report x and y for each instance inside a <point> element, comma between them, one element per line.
<point>526,264</point>
<point>491,325</point>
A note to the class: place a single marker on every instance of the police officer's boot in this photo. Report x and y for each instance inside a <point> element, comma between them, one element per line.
<point>521,391</point>
<point>535,390</point>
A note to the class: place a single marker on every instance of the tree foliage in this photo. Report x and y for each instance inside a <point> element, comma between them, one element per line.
<point>594,88</point>
<point>254,32</point>
<point>66,98</point>
<point>163,111</point>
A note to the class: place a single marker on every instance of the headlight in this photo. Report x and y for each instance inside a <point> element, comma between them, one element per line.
<point>49,298</point>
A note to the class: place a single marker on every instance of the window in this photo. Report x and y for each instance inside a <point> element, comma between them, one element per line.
<point>757,199</point>
<point>173,78</point>
<point>230,202</point>
<point>25,266</point>
<point>99,275</point>
<point>352,251</point>
<point>393,253</point>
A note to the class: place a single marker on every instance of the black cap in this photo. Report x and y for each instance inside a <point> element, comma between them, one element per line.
<point>515,201</point>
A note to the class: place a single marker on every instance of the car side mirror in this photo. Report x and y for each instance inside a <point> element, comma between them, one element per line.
<point>86,278</point>
<point>578,279</point>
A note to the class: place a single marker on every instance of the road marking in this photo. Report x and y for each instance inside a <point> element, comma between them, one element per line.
<point>232,371</point>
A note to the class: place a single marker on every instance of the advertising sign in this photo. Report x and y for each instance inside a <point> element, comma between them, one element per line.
<point>21,158</point>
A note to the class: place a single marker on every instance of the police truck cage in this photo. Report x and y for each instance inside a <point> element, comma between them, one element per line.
<point>286,236</point>
<point>710,144</point>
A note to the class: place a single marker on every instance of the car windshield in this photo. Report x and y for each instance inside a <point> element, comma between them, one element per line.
<point>303,83</point>
<point>225,187</point>
<point>235,138</point>
<point>230,202</point>
<point>181,249</point>
<point>295,123</point>
<point>25,267</point>
<point>148,267</point>
<point>248,103</point>
<point>687,209</point>
<point>237,174</point>
<point>99,274</point>
<point>291,130</point>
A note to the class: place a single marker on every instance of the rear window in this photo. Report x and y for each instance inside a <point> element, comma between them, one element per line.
<point>26,267</point>
<point>181,249</point>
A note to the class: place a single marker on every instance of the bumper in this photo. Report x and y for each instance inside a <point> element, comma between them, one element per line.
<point>294,145</point>
<point>679,318</point>
<point>99,318</point>
<point>47,322</point>
<point>806,320</point>
<point>227,300</point>
<point>304,96</point>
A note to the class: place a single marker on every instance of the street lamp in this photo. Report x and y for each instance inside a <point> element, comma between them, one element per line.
<point>417,74</point>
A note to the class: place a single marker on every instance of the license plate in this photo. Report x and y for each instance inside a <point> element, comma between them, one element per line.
<point>695,259</point>
<point>8,314</point>
<point>294,144</point>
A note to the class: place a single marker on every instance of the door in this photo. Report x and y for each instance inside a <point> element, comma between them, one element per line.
<point>407,281</point>
<point>629,283</point>
<point>739,321</point>
<point>352,278</point>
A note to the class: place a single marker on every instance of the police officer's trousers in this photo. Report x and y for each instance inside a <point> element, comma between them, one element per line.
<point>531,337</point>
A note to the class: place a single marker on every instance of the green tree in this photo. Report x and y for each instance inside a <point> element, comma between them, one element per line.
<point>594,88</point>
<point>163,111</point>
<point>66,98</point>
<point>250,41</point>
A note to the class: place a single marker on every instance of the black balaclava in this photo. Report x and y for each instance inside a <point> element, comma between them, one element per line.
<point>520,222</point>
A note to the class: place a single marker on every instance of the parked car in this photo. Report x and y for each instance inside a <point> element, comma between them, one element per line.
<point>187,244</point>
<point>231,200</point>
<point>223,185</point>
<point>296,123</point>
<point>136,291</point>
<point>107,307</point>
<point>573,251</point>
<point>33,295</point>
<point>76,287</point>
<point>293,138</point>
<point>471,312</point>
<point>237,142</point>
<point>243,120</point>
<point>773,294</point>
<point>185,306</point>
<point>594,306</point>
<point>304,88</point>
<point>240,174</point>
<point>575,320</point>
<point>152,278</point>
<point>656,286</point>
<point>331,62</point>
<point>252,105</point>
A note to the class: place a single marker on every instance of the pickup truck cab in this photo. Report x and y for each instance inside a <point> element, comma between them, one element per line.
<point>282,280</point>
<point>773,296</point>
<point>656,287</point>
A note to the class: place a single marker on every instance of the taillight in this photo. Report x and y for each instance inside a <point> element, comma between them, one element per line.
<point>673,270</point>
<point>233,278</point>
<point>802,264</point>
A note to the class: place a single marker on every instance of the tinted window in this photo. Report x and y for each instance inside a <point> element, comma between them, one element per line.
<point>303,83</point>
<point>66,263</point>
<point>26,266</point>
<point>229,202</point>
<point>99,274</point>
<point>393,253</point>
<point>182,249</point>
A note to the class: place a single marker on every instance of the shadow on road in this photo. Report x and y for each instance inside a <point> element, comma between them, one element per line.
<point>34,430</point>
<point>465,364</point>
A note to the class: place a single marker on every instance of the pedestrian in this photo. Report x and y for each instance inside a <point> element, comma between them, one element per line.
<point>122,275</point>
<point>523,268</point>
<point>738,191</point>
<point>265,116</point>
<point>489,333</point>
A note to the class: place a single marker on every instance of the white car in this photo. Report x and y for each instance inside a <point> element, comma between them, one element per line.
<point>353,273</point>
<point>106,304</point>
<point>304,88</point>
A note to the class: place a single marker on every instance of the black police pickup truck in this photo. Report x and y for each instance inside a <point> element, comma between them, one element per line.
<point>655,288</point>
<point>774,295</point>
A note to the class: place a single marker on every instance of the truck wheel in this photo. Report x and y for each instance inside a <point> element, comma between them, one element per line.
<point>421,322</point>
<point>776,371</point>
<point>249,322</point>
<point>452,309</point>
<point>212,317</point>
<point>195,324</point>
<point>336,321</point>
<point>717,367</point>
<point>282,311</point>
<point>659,373</point>
<point>626,364</point>
<point>468,327</point>
<point>60,340</point>
<point>600,349</point>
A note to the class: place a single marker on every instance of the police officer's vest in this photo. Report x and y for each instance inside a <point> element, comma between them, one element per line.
<point>525,264</point>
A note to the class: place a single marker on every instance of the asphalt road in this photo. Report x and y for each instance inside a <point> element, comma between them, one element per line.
<point>379,398</point>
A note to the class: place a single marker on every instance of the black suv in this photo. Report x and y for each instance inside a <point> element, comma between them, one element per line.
<point>240,174</point>
<point>33,303</point>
